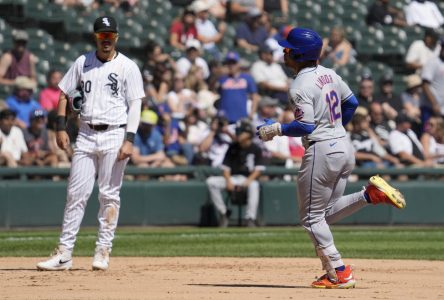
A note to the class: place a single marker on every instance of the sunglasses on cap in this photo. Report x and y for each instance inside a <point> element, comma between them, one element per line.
<point>106,35</point>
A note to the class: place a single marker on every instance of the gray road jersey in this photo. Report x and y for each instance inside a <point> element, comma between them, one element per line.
<point>316,95</point>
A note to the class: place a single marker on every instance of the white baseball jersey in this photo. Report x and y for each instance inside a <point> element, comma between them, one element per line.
<point>316,95</point>
<point>107,87</point>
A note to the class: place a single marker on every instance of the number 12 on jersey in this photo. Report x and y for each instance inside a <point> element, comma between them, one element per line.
<point>333,105</point>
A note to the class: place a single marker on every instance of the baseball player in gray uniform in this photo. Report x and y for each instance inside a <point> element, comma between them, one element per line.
<point>112,89</point>
<point>323,104</point>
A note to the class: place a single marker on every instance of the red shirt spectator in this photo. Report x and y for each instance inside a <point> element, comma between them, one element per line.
<point>49,96</point>
<point>183,30</point>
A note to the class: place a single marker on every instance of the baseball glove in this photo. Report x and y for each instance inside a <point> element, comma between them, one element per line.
<point>76,101</point>
<point>268,130</point>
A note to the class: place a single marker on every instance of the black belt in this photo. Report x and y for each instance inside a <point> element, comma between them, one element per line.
<point>102,127</point>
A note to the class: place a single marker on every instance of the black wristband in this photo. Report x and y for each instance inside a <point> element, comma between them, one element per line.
<point>61,123</point>
<point>130,137</point>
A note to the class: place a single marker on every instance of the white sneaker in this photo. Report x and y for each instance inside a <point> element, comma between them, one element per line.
<point>60,260</point>
<point>101,259</point>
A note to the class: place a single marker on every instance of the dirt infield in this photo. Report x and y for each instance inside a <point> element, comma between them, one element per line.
<point>217,278</point>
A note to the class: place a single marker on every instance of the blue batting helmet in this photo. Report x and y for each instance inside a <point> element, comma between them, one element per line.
<point>305,44</point>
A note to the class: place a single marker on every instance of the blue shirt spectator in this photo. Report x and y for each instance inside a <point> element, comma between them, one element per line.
<point>149,144</point>
<point>22,102</point>
<point>250,35</point>
<point>235,89</point>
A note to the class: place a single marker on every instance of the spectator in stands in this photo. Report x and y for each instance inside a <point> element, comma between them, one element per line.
<point>176,146</point>
<point>216,142</point>
<point>13,149</point>
<point>241,167</point>
<point>269,76</point>
<point>161,85</point>
<point>88,4</point>
<point>49,96</point>
<point>423,13</point>
<point>366,90</point>
<point>207,33</point>
<point>63,157</point>
<point>404,143</point>
<point>192,57</point>
<point>250,34</point>
<point>433,84</point>
<point>265,21</point>
<point>180,100</point>
<point>368,152</point>
<point>432,140</point>
<point>237,9</point>
<point>235,88</point>
<point>382,13</point>
<point>217,69</point>
<point>22,101</point>
<point>267,109</point>
<point>413,98</point>
<point>155,59</point>
<point>274,6</point>
<point>18,61</point>
<point>183,30</point>
<point>148,144</point>
<point>195,128</point>
<point>336,50</point>
<point>272,42</point>
<point>37,141</point>
<point>217,8</point>
<point>195,80</point>
<point>391,102</point>
<point>421,51</point>
<point>128,6</point>
<point>380,124</point>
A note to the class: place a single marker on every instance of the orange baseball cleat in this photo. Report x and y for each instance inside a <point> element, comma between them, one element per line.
<point>380,191</point>
<point>344,280</point>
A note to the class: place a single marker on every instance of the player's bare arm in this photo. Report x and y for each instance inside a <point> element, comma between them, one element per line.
<point>62,137</point>
<point>429,95</point>
<point>5,62</point>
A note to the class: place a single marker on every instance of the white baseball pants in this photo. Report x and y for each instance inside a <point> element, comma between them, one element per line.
<point>95,154</point>
<point>218,183</point>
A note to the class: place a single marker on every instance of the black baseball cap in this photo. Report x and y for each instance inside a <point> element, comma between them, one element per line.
<point>105,24</point>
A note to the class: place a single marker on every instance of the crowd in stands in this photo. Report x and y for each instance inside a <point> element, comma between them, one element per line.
<point>194,103</point>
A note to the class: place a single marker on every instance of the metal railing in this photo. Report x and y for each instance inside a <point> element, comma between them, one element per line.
<point>202,172</point>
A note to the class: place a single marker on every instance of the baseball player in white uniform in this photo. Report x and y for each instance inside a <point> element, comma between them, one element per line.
<point>112,89</point>
<point>323,104</point>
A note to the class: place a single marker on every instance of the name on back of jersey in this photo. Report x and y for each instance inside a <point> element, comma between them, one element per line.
<point>323,80</point>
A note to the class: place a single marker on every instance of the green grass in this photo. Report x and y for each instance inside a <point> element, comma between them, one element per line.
<point>353,242</point>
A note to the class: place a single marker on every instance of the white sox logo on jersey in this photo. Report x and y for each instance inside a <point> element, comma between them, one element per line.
<point>106,22</point>
<point>113,84</point>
